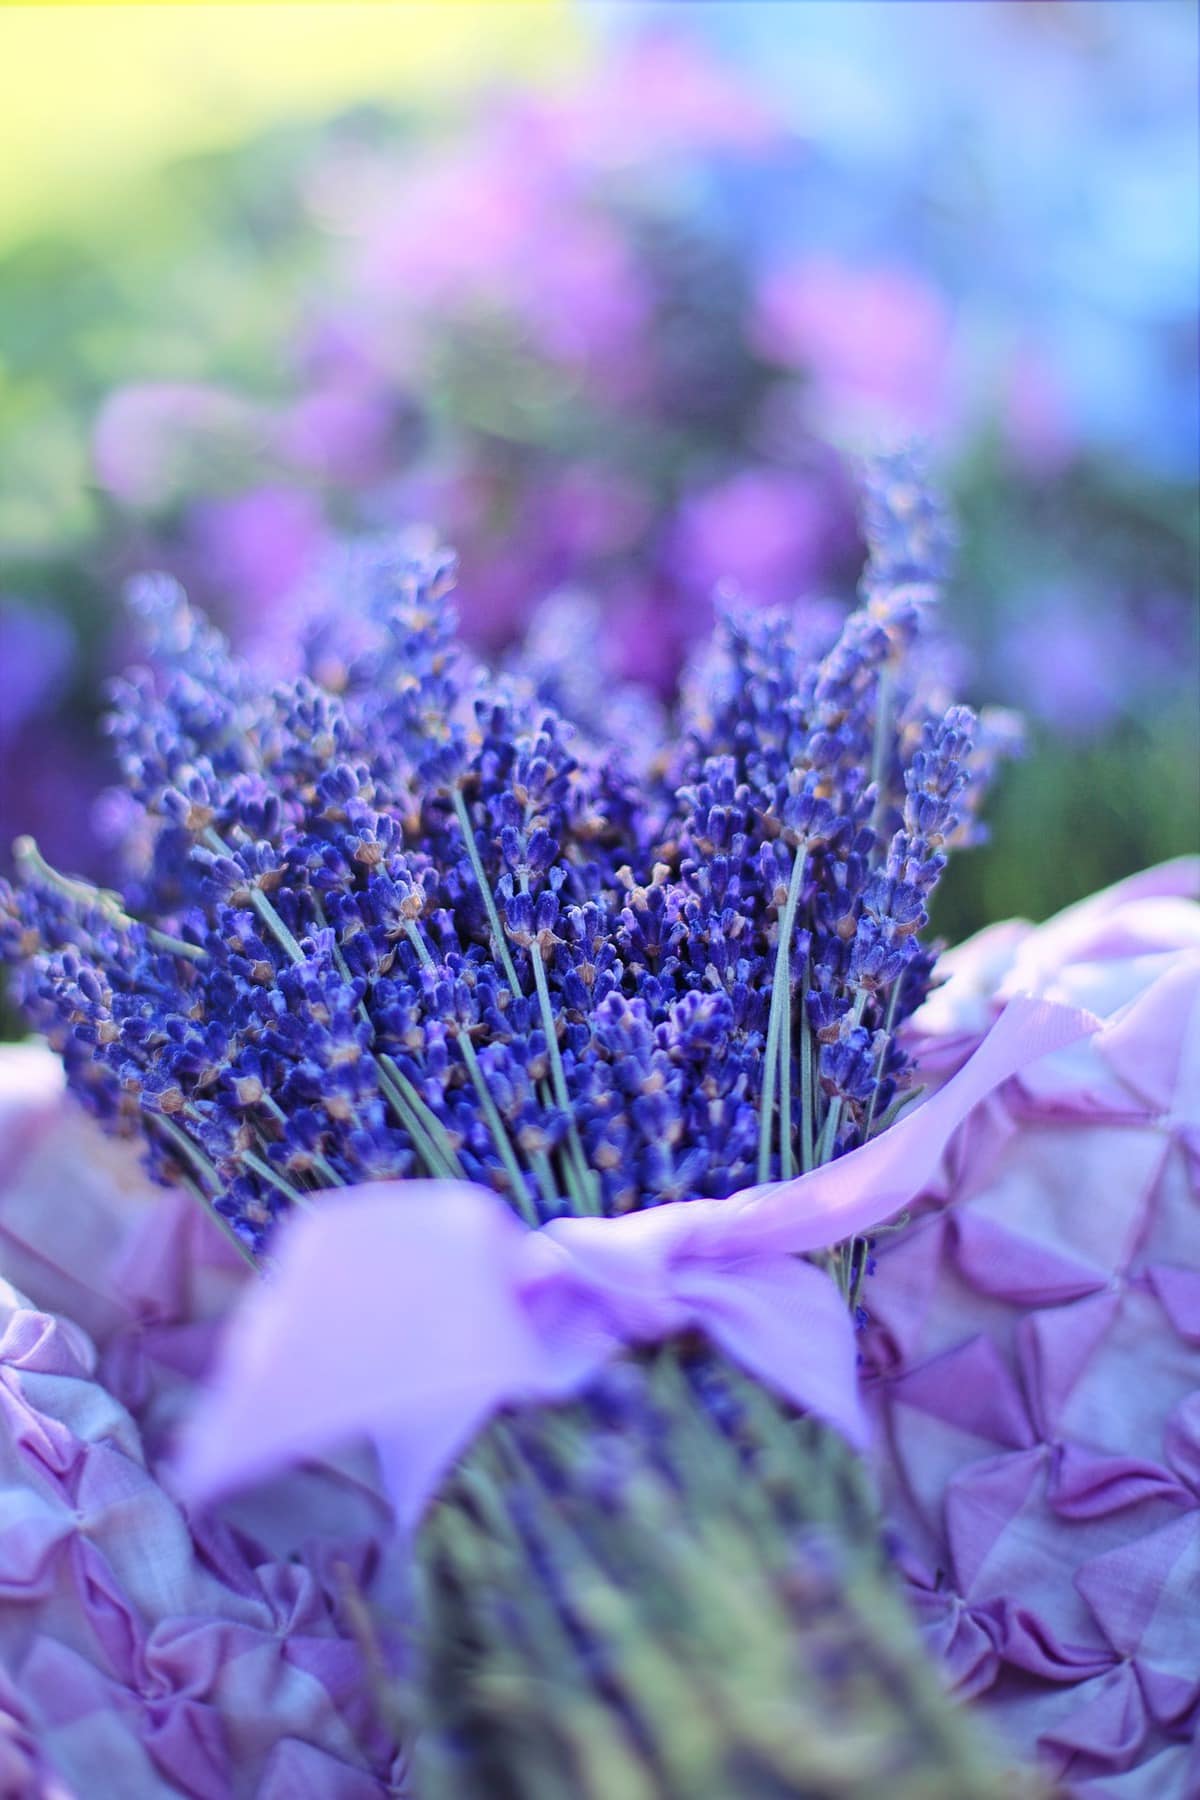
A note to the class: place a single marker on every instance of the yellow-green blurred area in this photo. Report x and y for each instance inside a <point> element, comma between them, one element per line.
<point>95,96</point>
<point>125,241</point>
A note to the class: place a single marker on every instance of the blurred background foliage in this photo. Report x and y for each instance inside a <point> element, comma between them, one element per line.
<point>609,297</point>
<point>100,98</point>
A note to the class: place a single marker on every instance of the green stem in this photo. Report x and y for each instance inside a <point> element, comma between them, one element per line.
<point>430,1137</point>
<point>262,906</point>
<point>343,968</point>
<point>787,1157</point>
<point>408,1116</point>
<point>319,1163</point>
<point>207,1169</point>
<point>485,890</point>
<point>898,1105</point>
<point>888,1022</point>
<point>222,1224</point>
<point>581,1180</point>
<point>276,1180</point>
<point>851,1285</point>
<point>504,1149</point>
<point>275,924</point>
<point>30,861</point>
<point>828,1138</point>
<point>544,1170</point>
<point>833,1117</point>
<point>524,1199</point>
<point>779,1012</point>
<point>183,1143</point>
<point>808,1104</point>
<point>767,1104</point>
<point>577,1178</point>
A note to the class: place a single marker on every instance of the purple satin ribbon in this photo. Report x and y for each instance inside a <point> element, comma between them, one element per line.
<point>413,1311</point>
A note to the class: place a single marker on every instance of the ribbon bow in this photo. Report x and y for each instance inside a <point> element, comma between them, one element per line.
<point>415,1310</point>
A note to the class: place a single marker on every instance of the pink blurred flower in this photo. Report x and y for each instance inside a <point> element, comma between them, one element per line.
<point>154,440</point>
<point>763,530</point>
<point>664,95</point>
<point>254,550</point>
<point>344,432</point>
<point>499,231</point>
<point>598,511</point>
<point>451,228</point>
<point>874,342</point>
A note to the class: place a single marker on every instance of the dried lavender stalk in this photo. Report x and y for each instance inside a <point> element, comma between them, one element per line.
<point>674,1590</point>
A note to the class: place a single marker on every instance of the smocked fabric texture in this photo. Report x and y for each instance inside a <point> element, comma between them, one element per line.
<point>1034,1362</point>
<point>143,1654</point>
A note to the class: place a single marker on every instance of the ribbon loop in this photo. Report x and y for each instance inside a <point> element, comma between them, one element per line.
<point>415,1310</point>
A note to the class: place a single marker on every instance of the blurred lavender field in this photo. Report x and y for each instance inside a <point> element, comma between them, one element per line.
<point>623,335</point>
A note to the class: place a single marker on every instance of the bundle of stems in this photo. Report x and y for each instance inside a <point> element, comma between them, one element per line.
<point>675,1589</point>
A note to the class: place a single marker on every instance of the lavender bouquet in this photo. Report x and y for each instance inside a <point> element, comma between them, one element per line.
<point>397,926</point>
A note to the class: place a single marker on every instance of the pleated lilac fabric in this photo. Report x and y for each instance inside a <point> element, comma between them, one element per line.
<point>1034,1357</point>
<point>142,1654</point>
